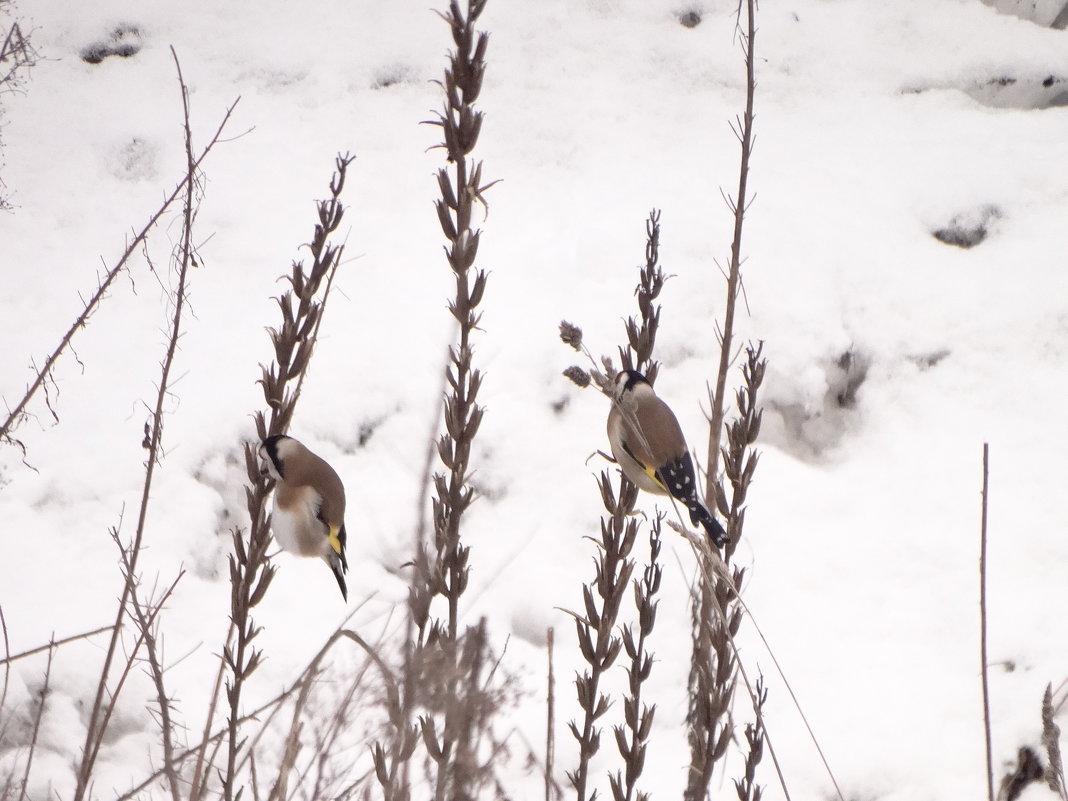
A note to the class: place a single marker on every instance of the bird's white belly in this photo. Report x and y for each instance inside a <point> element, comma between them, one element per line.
<point>298,531</point>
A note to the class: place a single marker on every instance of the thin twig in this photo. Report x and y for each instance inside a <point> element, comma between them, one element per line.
<point>550,725</point>
<point>91,305</point>
<point>97,724</point>
<point>50,644</point>
<point>200,773</point>
<point>982,628</point>
<point>37,722</point>
<point>7,660</point>
<point>155,661</point>
<point>215,738</point>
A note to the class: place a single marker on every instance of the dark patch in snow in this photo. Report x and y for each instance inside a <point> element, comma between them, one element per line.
<point>135,160</point>
<point>690,19</point>
<point>811,427</point>
<point>1027,92</point>
<point>1027,770</point>
<point>1040,91</point>
<point>367,430</point>
<point>558,406</point>
<point>852,370</point>
<point>925,361</point>
<point>392,75</point>
<point>968,229</point>
<point>124,41</point>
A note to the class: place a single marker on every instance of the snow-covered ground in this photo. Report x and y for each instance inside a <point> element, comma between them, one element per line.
<point>878,124</point>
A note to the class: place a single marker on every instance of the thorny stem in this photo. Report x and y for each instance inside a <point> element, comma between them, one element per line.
<point>80,322</point>
<point>713,667</point>
<point>50,644</point>
<point>738,206</point>
<point>210,738</point>
<point>147,625</point>
<point>95,730</point>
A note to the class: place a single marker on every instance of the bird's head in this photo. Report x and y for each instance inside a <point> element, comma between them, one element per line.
<point>627,381</point>
<point>273,453</point>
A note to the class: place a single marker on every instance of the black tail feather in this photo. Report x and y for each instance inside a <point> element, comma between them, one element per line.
<point>338,568</point>
<point>699,515</point>
<point>679,479</point>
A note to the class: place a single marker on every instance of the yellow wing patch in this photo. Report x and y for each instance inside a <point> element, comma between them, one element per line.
<point>651,472</point>
<point>335,543</point>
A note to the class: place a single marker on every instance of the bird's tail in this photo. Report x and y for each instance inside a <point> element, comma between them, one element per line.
<point>338,568</point>
<point>699,515</point>
<point>679,480</point>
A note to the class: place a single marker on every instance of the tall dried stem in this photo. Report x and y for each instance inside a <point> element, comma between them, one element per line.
<point>712,668</point>
<point>632,739</point>
<point>294,342</point>
<point>743,130</point>
<point>982,628</point>
<point>603,597</point>
<point>183,258</point>
<point>717,611</point>
<point>434,658</point>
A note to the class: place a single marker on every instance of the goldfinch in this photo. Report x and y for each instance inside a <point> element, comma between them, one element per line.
<point>648,444</point>
<point>309,504</point>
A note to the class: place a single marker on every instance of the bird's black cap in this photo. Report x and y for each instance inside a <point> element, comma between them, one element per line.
<point>634,378</point>
<point>271,446</point>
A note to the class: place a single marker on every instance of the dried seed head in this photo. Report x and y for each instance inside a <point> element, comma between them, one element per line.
<point>571,334</point>
<point>578,375</point>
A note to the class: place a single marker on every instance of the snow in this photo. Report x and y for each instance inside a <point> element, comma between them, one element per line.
<point>877,125</point>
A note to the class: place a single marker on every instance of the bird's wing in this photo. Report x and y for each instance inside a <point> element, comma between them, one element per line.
<point>661,434</point>
<point>621,428</point>
<point>335,533</point>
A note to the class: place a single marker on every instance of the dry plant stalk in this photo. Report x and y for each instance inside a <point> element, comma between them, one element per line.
<point>1051,741</point>
<point>550,716</point>
<point>441,663</point>
<point>446,575</point>
<point>17,55</point>
<point>746,787</point>
<point>619,528</point>
<point>717,612</point>
<point>101,710</point>
<point>715,621</point>
<point>37,717</point>
<point>262,714</point>
<point>739,205</point>
<point>146,619</point>
<point>595,629</point>
<point>632,739</point>
<point>250,571</point>
<point>7,660</point>
<point>43,375</point>
<point>339,718</point>
<point>982,628</point>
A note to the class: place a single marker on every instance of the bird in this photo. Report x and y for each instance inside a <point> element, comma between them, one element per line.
<point>648,444</point>
<point>308,518</point>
